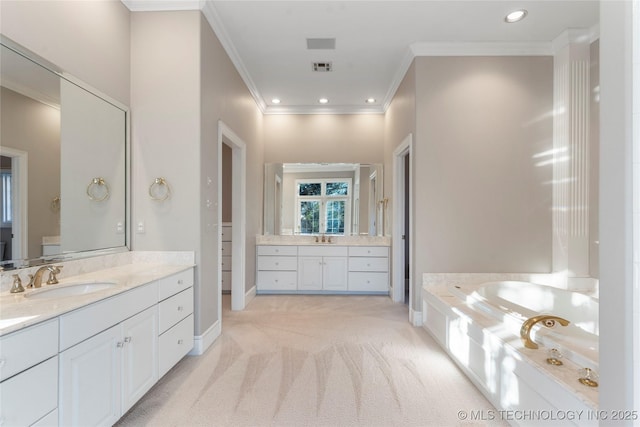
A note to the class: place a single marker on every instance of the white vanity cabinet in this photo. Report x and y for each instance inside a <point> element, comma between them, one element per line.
<point>226,256</point>
<point>277,268</point>
<point>103,376</point>
<point>29,375</point>
<point>175,319</point>
<point>369,268</point>
<point>322,268</point>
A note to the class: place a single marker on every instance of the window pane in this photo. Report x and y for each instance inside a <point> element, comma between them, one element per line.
<point>309,189</point>
<point>309,217</point>
<point>335,217</point>
<point>337,188</point>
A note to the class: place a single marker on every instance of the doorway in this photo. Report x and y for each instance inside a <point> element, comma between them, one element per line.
<point>226,136</point>
<point>403,225</point>
<point>14,204</point>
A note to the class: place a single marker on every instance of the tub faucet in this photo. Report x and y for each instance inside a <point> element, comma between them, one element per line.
<point>548,321</point>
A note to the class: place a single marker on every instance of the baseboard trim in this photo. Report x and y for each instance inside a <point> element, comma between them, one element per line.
<point>202,342</point>
<point>415,317</point>
<point>251,294</point>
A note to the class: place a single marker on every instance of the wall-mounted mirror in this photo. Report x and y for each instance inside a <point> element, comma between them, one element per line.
<point>63,163</point>
<point>330,198</point>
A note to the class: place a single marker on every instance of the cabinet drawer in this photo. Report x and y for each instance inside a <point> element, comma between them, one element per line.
<point>277,281</point>
<point>286,263</point>
<point>173,284</point>
<point>174,309</point>
<point>379,251</point>
<point>174,344</point>
<point>226,280</point>
<point>328,250</point>
<point>369,264</point>
<point>278,250</point>
<point>368,282</point>
<point>226,233</point>
<point>227,248</point>
<point>27,347</point>
<point>31,395</point>
<point>226,263</point>
<point>83,323</point>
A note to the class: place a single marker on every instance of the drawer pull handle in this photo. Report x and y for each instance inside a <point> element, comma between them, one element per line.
<point>119,344</point>
<point>180,282</point>
<point>127,339</point>
<point>180,308</point>
<point>180,342</point>
<point>277,263</point>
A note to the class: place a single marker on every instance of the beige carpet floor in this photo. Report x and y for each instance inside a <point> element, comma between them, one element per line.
<point>313,361</point>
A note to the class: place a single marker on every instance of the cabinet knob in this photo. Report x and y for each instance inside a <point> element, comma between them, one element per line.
<point>119,344</point>
<point>277,263</point>
<point>180,308</point>
<point>180,342</point>
<point>127,339</point>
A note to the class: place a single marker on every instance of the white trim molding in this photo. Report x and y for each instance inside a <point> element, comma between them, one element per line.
<point>202,342</point>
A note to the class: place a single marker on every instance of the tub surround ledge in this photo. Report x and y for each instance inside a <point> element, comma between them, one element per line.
<point>495,359</point>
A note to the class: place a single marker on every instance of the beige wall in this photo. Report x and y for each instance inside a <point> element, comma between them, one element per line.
<point>483,205</point>
<point>324,138</point>
<point>31,126</point>
<point>87,39</point>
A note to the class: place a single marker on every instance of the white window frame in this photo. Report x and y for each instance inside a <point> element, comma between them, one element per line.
<point>323,198</point>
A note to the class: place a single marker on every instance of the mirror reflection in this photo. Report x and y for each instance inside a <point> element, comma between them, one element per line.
<point>323,198</point>
<point>57,138</point>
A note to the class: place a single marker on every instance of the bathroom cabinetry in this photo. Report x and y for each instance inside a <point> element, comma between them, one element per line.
<point>90,365</point>
<point>322,268</point>
<point>277,268</point>
<point>103,376</point>
<point>29,375</point>
<point>226,256</point>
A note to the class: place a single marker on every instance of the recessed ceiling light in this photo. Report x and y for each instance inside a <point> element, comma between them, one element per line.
<point>275,101</point>
<point>370,100</point>
<point>515,16</point>
<point>323,101</point>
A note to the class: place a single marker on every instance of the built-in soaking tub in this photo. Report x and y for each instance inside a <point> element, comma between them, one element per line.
<point>479,327</point>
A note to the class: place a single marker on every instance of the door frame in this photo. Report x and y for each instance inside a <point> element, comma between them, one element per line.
<point>405,148</point>
<point>238,215</point>
<point>20,198</point>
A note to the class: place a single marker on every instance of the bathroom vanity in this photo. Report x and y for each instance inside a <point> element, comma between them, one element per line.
<point>299,264</point>
<point>87,358</point>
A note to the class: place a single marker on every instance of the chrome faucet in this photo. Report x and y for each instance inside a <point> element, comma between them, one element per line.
<point>35,280</point>
<point>547,320</point>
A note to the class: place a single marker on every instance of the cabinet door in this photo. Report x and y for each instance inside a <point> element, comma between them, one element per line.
<point>309,273</point>
<point>140,356</point>
<point>334,273</point>
<point>90,381</point>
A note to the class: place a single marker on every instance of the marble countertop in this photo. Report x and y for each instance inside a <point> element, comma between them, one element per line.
<point>298,240</point>
<point>18,311</point>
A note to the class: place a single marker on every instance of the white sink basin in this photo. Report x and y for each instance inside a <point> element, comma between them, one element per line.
<point>56,291</point>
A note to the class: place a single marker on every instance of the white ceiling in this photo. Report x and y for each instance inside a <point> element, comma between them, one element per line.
<point>375,42</point>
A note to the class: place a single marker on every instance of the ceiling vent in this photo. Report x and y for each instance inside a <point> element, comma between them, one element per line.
<point>321,43</point>
<point>322,67</point>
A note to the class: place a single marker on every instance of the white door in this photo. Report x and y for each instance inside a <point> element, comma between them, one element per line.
<point>90,381</point>
<point>310,273</point>
<point>334,273</point>
<point>140,356</point>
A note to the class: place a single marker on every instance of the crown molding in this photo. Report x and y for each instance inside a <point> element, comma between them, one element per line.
<point>573,36</point>
<point>162,5</point>
<point>401,71</point>
<point>339,109</point>
<point>211,14</point>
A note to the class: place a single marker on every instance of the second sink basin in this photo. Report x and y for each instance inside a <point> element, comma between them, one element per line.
<point>70,290</point>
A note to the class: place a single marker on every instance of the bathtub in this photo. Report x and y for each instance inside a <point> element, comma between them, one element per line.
<point>478,325</point>
<point>513,302</point>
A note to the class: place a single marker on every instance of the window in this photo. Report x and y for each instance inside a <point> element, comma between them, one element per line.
<point>323,205</point>
<point>6,198</point>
